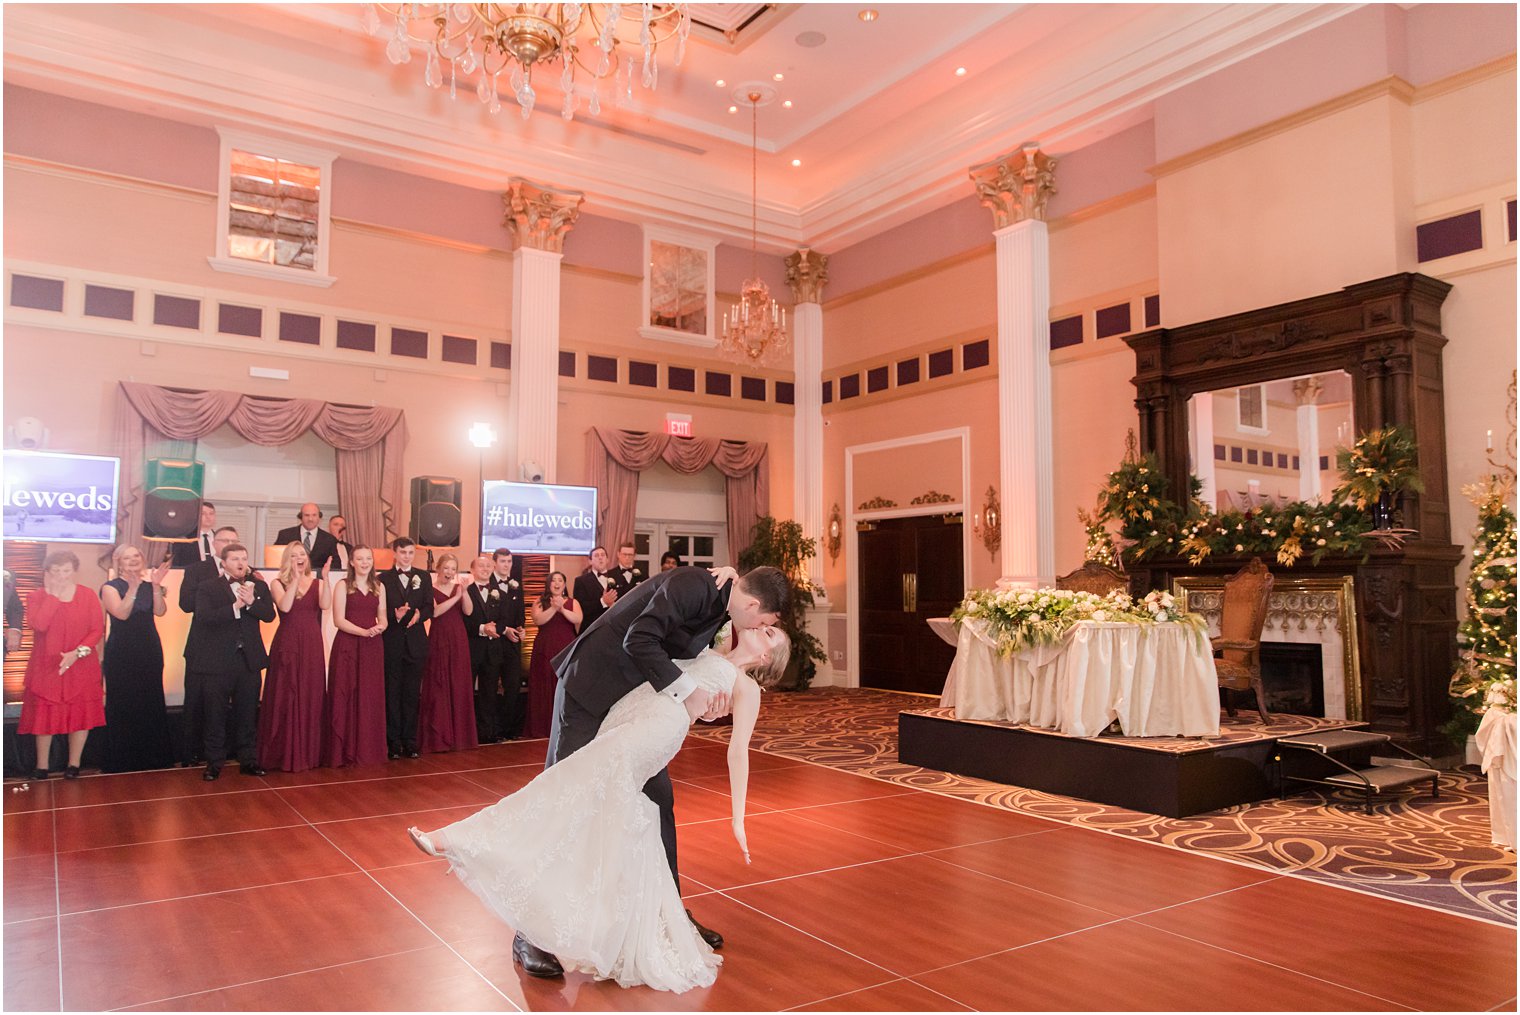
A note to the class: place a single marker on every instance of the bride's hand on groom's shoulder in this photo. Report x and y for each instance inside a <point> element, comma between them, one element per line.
<point>723,575</point>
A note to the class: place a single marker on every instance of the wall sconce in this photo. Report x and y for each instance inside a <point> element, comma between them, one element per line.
<point>836,529</point>
<point>986,524</point>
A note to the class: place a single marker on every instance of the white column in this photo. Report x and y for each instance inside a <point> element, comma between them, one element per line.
<point>1015,187</point>
<point>534,397</point>
<point>539,218</point>
<point>1201,431</point>
<point>1307,391</point>
<point>806,273</point>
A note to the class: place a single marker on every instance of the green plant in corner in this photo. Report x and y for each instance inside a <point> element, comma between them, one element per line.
<point>782,545</point>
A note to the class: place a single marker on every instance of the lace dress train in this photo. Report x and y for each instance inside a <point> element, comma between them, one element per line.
<point>574,862</point>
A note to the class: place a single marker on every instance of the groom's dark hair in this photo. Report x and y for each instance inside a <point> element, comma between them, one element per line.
<point>769,585</point>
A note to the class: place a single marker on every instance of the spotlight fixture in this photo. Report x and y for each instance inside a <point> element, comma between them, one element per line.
<point>960,72</point>
<point>733,109</point>
<point>796,162</point>
<point>868,15</point>
<point>777,77</point>
<point>721,83</point>
<point>787,104</point>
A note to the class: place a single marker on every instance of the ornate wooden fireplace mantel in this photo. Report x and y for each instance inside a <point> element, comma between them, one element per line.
<point>1386,334</point>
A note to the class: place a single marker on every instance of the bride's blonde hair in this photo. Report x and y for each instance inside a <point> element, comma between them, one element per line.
<point>768,675</point>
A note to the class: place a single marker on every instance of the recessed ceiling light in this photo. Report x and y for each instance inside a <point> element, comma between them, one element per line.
<point>776,77</point>
<point>733,109</point>
<point>960,72</point>
<point>869,15</point>
<point>796,162</point>
<point>720,83</point>
<point>787,104</point>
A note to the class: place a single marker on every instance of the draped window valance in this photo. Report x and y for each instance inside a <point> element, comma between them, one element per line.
<point>614,459</point>
<point>367,442</point>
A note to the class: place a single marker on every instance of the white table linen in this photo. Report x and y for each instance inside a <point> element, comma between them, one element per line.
<point>1156,679</point>
<point>1496,739</point>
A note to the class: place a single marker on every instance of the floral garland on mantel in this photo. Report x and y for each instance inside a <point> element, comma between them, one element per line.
<point>1019,619</point>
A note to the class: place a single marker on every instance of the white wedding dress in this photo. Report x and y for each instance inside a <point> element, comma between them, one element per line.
<point>573,860</point>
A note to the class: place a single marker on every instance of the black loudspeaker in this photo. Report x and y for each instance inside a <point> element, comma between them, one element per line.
<point>172,498</point>
<point>435,511</point>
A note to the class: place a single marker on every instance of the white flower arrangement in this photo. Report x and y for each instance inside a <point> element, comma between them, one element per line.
<point>1027,618</point>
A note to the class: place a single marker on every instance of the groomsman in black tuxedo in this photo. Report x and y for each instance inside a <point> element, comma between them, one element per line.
<point>320,544</point>
<point>594,588</point>
<point>186,554</point>
<point>226,649</point>
<point>209,569</point>
<point>625,576</point>
<point>409,597</point>
<point>513,620</point>
<point>337,527</point>
<point>484,626</point>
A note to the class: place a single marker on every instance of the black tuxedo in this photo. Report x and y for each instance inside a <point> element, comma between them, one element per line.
<point>226,649</point>
<point>324,545</point>
<point>340,561</point>
<point>625,578</point>
<point>186,554</point>
<point>510,707</point>
<point>406,651</point>
<point>485,656</point>
<point>673,615</point>
<point>587,591</point>
<point>195,701</point>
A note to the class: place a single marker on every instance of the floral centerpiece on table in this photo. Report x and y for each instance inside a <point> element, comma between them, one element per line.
<point>1019,619</point>
<point>1381,464</point>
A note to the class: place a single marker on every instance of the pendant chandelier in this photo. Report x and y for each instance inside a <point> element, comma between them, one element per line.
<point>601,40</point>
<point>754,329</point>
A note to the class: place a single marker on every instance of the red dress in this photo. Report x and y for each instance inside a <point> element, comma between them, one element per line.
<point>548,643</point>
<point>290,717</point>
<point>354,717</point>
<point>74,701</point>
<point>446,713</point>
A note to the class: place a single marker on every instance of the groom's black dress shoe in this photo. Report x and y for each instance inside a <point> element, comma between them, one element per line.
<point>535,961</point>
<point>713,938</point>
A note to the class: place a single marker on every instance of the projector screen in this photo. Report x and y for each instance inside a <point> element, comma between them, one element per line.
<point>60,498</point>
<point>537,518</point>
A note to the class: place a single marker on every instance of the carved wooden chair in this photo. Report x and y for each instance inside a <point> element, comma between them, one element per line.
<point>1093,577</point>
<point>1237,650</point>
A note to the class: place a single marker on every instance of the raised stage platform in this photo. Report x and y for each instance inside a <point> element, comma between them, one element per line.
<point>1171,776</point>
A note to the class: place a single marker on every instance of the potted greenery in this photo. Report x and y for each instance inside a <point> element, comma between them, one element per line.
<point>1380,466</point>
<point>782,545</point>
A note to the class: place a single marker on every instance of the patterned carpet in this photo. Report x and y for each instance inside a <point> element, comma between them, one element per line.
<point>1431,852</point>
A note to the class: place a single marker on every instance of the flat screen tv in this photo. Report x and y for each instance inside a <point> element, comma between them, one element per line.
<point>60,498</point>
<point>537,517</point>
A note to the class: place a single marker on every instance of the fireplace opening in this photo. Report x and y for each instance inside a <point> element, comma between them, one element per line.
<point>1293,677</point>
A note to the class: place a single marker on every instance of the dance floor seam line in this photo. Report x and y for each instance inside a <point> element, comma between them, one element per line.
<point>979,842</point>
<point>58,911</point>
<point>271,979</point>
<point>204,895</point>
<point>1275,965</point>
<point>892,973</point>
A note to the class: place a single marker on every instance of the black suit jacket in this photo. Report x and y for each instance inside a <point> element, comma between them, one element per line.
<point>673,615</point>
<point>484,610</point>
<point>587,591</point>
<point>184,554</point>
<point>324,545</point>
<point>195,574</point>
<point>411,641</point>
<point>514,611</point>
<point>217,636</point>
<point>624,579</point>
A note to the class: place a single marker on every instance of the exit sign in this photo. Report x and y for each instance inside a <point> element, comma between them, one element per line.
<point>677,424</point>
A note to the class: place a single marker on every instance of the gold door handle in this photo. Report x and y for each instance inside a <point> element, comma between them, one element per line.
<point>910,593</point>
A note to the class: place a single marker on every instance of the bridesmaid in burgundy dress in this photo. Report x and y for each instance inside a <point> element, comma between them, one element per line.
<point>446,713</point>
<point>558,618</point>
<point>354,718</point>
<point>62,692</point>
<point>290,718</point>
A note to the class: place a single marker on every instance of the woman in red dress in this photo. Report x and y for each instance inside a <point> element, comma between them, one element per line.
<point>290,717</point>
<point>446,713</point>
<point>62,693</point>
<point>558,618</point>
<point>354,716</point>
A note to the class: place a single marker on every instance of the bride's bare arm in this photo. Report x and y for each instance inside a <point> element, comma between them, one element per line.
<point>746,710</point>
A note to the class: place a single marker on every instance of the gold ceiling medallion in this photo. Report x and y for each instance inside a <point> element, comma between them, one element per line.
<point>514,38</point>
<point>754,329</point>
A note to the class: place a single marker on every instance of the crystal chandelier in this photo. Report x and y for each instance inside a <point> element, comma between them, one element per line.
<point>598,40</point>
<point>754,329</point>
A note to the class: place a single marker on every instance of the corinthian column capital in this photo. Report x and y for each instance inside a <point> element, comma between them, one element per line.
<point>806,272</point>
<point>1016,186</point>
<point>1307,390</point>
<point>539,216</point>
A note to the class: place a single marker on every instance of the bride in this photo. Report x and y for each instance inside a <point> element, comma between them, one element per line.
<point>574,861</point>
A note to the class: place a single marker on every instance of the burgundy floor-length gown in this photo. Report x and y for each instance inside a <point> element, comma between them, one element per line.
<point>353,722</point>
<point>551,638</point>
<point>290,717</point>
<point>446,714</point>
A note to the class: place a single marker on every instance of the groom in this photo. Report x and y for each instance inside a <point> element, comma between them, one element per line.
<point>673,615</point>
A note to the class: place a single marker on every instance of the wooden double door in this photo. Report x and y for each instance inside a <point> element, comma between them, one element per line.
<point>911,569</point>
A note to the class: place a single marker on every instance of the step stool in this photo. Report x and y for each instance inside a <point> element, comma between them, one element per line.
<point>1351,765</point>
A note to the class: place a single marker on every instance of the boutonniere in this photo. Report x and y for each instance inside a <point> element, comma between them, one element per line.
<point>605,581</point>
<point>723,633</point>
<point>637,573</point>
<point>416,582</point>
<point>512,583</point>
<point>496,593</point>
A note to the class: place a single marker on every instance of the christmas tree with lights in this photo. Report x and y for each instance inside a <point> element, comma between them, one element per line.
<point>1485,675</point>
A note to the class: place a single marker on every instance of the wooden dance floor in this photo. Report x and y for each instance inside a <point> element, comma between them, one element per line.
<point>157,890</point>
